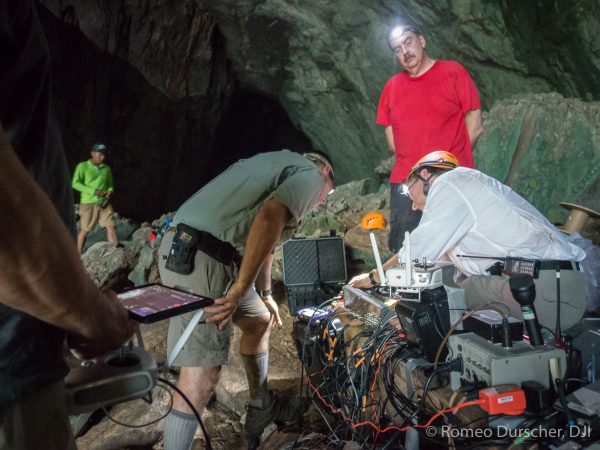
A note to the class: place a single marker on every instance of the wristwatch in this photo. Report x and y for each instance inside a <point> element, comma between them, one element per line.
<point>265,292</point>
<point>372,278</point>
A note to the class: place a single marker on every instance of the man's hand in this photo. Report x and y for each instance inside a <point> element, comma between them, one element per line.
<point>361,281</point>
<point>389,137</point>
<point>474,125</point>
<point>101,193</point>
<point>110,328</point>
<point>224,307</point>
<point>273,308</point>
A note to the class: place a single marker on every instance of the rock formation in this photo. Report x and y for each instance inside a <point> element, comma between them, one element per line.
<point>547,148</point>
<point>160,81</point>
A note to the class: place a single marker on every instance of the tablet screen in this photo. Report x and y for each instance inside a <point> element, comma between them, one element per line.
<point>155,302</point>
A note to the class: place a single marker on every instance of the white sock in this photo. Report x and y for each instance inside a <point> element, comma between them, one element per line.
<point>180,429</point>
<point>256,367</point>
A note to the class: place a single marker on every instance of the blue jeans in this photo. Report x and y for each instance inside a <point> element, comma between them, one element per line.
<point>402,217</point>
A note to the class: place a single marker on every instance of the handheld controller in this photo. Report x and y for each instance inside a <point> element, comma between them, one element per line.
<point>116,377</point>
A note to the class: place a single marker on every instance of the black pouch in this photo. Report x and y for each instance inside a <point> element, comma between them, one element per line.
<point>496,268</point>
<point>183,250</point>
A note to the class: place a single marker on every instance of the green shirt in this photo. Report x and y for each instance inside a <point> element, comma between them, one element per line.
<point>227,205</point>
<point>88,178</point>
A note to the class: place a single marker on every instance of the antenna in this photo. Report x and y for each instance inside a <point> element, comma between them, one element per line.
<point>407,258</point>
<point>377,259</point>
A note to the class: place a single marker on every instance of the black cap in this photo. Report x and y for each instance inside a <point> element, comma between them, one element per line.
<point>100,148</point>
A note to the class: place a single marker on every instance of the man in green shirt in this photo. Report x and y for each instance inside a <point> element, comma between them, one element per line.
<point>93,179</point>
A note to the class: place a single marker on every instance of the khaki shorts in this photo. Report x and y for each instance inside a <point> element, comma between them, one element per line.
<point>207,346</point>
<point>482,289</point>
<point>37,421</point>
<point>91,213</point>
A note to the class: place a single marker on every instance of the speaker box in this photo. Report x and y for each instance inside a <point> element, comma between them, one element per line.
<point>313,270</point>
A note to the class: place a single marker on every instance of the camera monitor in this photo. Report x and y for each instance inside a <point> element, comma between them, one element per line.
<point>154,302</point>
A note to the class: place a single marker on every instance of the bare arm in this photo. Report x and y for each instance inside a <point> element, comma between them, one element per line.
<point>389,136</point>
<point>42,274</point>
<point>264,234</point>
<point>474,125</point>
<point>363,281</point>
<point>263,282</point>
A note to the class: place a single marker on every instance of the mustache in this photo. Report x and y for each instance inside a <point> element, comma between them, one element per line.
<point>408,55</point>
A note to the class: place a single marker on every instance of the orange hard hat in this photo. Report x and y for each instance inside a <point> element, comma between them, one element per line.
<point>440,159</point>
<point>372,220</point>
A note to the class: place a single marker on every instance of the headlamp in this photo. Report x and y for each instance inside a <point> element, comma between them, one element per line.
<point>395,33</point>
<point>405,189</point>
<point>400,30</point>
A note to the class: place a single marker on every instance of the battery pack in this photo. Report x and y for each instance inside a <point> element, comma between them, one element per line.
<point>488,325</point>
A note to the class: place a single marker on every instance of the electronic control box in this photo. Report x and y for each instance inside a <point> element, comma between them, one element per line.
<point>116,377</point>
<point>494,364</point>
<point>419,276</point>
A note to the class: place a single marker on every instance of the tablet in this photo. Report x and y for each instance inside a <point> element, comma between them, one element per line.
<point>153,302</point>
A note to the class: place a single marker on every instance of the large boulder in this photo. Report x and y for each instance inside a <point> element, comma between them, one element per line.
<point>547,148</point>
<point>109,264</point>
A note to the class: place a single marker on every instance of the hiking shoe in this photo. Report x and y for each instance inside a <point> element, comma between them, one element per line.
<point>252,441</point>
<point>278,410</point>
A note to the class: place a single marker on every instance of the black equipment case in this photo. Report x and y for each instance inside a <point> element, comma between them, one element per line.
<point>313,270</point>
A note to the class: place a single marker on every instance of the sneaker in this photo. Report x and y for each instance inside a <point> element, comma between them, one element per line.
<point>278,410</point>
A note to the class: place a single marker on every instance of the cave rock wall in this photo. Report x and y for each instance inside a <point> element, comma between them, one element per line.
<point>325,62</point>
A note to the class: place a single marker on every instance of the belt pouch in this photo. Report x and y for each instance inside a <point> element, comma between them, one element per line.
<point>183,250</point>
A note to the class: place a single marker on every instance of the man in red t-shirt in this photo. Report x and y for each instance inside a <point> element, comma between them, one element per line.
<point>431,105</point>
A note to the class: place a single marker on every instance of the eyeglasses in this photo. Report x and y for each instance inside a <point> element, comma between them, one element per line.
<point>406,187</point>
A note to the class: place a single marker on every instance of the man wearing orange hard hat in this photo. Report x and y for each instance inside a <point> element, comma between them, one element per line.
<point>475,221</point>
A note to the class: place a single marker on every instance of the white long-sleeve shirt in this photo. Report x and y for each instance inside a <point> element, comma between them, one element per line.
<point>470,213</point>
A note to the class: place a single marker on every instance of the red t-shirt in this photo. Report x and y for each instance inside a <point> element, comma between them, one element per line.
<point>427,113</point>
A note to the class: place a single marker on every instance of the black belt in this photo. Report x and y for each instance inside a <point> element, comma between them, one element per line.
<point>217,249</point>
